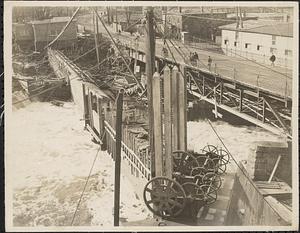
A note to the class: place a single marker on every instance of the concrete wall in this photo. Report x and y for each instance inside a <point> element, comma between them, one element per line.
<point>263,54</point>
<point>248,206</point>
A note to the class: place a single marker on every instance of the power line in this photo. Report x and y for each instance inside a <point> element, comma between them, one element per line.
<point>239,167</point>
<point>86,182</point>
<point>136,80</point>
<point>64,29</point>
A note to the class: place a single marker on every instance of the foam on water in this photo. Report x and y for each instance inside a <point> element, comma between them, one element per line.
<point>52,156</point>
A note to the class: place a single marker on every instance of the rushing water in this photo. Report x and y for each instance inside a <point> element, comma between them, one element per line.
<point>50,156</point>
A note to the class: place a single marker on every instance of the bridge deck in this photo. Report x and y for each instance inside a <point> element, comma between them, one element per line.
<point>276,80</point>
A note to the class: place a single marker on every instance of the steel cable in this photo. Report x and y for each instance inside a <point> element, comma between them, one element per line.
<point>239,167</point>
<point>85,185</point>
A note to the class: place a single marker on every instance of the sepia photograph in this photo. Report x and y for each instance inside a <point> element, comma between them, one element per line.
<point>135,116</point>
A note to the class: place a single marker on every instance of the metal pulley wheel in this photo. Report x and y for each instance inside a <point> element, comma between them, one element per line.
<point>198,171</point>
<point>207,163</point>
<point>210,148</point>
<point>220,165</point>
<point>184,162</point>
<point>164,197</point>
<point>213,179</point>
<point>224,155</point>
<point>193,191</point>
<point>210,193</point>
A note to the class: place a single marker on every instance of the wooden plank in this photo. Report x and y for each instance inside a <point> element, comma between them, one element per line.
<point>85,105</point>
<point>282,211</point>
<point>157,125</point>
<point>274,169</point>
<point>175,133</point>
<point>182,114</point>
<point>90,108</point>
<point>168,121</point>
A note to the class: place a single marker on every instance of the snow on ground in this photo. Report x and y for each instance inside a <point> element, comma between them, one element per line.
<point>52,157</point>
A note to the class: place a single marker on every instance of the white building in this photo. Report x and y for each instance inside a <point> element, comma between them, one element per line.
<point>258,40</point>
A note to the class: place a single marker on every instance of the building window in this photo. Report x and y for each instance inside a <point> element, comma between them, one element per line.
<point>258,47</point>
<point>288,52</point>
<point>226,42</point>
<point>235,44</point>
<point>273,40</point>
<point>247,45</point>
<point>273,50</point>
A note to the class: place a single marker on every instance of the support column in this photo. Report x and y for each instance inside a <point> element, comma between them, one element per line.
<point>150,68</point>
<point>90,96</point>
<point>241,99</point>
<point>168,121</point>
<point>182,106</point>
<point>157,125</point>
<point>175,118</point>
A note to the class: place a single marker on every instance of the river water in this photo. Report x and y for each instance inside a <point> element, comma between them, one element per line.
<point>52,156</point>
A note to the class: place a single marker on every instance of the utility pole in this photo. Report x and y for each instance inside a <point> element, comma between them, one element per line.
<point>165,10</point>
<point>96,36</point>
<point>150,69</point>
<point>118,157</point>
<point>117,23</point>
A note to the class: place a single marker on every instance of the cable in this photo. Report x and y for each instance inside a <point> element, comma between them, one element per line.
<point>241,169</point>
<point>136,80</point>
<point>97,65</point>
<point>86,182</point>
<point>64,29</point>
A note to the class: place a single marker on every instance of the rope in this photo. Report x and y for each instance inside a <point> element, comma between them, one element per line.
<point>241,169</point>
<point>86,182</point>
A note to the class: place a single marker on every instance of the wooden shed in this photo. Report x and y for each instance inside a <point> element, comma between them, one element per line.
<point>45,31</point>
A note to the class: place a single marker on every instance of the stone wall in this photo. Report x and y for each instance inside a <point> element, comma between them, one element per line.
<point>262,159</point>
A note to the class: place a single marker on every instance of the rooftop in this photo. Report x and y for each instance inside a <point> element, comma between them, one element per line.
<point>263,27</point>
<point>53,20</point>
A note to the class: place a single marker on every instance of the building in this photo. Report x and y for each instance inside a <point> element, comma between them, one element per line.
<point>258,40</point>
<point>44,31</point>
<point>200,25</point>
<point>22,35</point>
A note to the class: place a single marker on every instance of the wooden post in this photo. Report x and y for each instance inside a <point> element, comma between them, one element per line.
<point>274,169</point>
<point>168,121</point>
<point>241,100</point>
<point>221,92</point>
<point>118,157</point>
<point>182,117</point>
<point>90,97</point>
<point>150,68</point>
<point>264,111</point>
<point>85,106</point>
<point>175,132</point>
<point>96,36</point>
<point>203,85</point>
<point>157,125</point>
